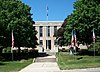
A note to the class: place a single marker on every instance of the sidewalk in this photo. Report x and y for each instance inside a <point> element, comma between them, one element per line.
<point>43,64</point>
<point>48,64</point>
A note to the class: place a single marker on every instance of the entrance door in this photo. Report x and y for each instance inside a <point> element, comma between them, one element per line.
<point>48,42</point>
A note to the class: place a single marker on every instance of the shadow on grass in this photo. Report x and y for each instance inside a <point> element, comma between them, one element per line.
<point>86,52</point>
<point>2,63</point>
<point>18,56</point>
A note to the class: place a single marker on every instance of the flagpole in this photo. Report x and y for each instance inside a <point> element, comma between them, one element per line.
<point>94,42</point>
<point>47,12</point>
<point>47,24</point>
<point>12,54</point>
<point>94,50</point>
<point>12,44</point>
<point>72,44</point>
<point>75,44</point>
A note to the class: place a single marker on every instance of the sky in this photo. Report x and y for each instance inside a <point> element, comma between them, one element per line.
<point>58,10</point>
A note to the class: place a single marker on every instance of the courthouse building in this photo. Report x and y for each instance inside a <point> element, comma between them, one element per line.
<point>45,35</point>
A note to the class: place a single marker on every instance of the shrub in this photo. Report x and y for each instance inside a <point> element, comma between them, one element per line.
<point>7,50</point>
<point>83,52</point>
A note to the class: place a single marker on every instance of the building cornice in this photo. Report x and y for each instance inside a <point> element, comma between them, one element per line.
<point>49,21</point>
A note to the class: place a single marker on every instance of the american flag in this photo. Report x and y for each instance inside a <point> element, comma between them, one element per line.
<point>76,43</point>
<point>72,41</point>
<point>12,40</point>
<point>94,37</point>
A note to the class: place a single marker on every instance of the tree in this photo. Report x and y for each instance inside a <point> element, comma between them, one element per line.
<point>16,16</point>
<point>84,18</point>
<point>60,34</point>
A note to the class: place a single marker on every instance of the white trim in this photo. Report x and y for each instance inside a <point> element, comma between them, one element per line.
<point>47,25</point>
<point>49,21</point>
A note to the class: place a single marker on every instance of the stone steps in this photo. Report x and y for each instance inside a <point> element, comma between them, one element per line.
<point>46,57</point>
<point>45,60</point>
<point>51,53</point>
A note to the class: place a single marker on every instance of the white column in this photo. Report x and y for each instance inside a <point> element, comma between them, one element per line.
<point>44,38</point>
<point>52,38</point>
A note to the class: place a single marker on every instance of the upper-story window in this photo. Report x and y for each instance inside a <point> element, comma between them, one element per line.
<point>55,30</point>
<point>41,31</point>
<point>48,31</point>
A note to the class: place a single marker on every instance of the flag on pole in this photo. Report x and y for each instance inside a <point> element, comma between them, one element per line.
<point>47,9</point>
<point>76,43</point>
<point>72,41</point>
<point>94,37</point>
<point>12,40</point>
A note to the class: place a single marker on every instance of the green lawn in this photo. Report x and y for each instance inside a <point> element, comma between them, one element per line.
<point>14,66</point>
<point>66,61</point>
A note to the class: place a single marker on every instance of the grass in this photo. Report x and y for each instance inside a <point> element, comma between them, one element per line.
<point>65,61</point>
<point>14,66</point>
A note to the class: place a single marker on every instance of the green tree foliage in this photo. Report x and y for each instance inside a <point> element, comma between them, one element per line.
<point>60,34</point>
<point>84,18</point>
<point>16,16</point>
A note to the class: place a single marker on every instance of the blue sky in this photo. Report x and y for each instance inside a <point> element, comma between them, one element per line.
<point>58,9</point>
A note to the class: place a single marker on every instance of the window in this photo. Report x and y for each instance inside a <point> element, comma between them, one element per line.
<point>55,30</point>
<point>41,31</point>
<point>48,31</point>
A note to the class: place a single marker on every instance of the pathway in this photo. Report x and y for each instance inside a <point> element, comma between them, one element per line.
<point>48,64</point>
<point>43,64</point>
